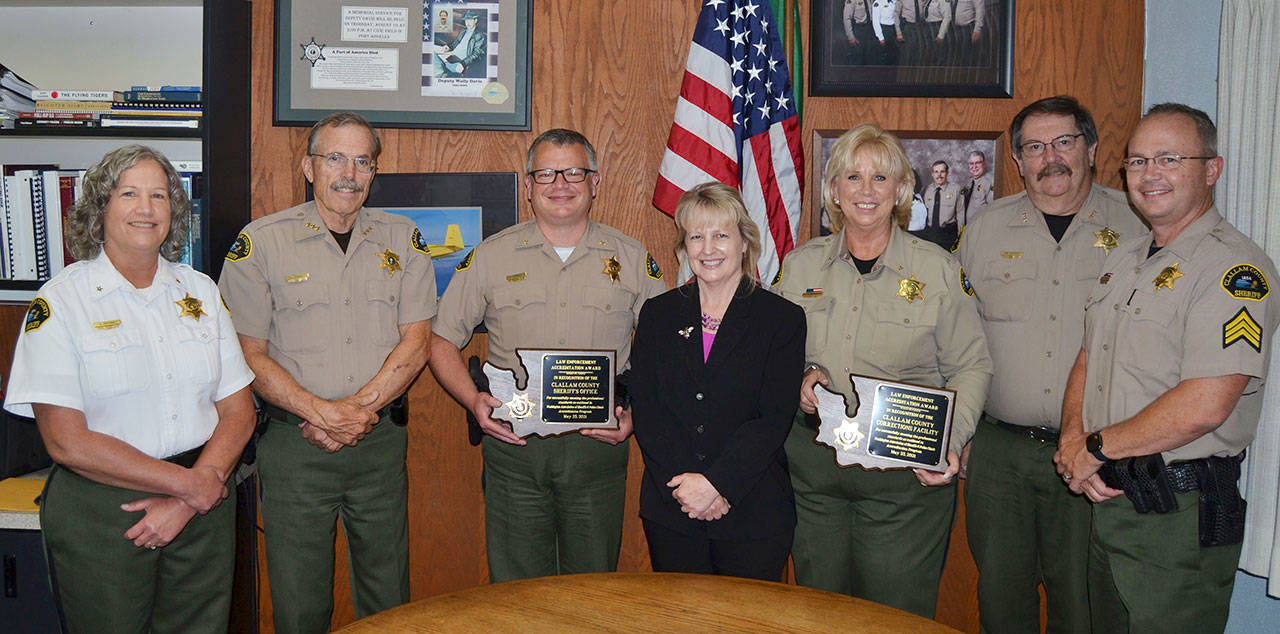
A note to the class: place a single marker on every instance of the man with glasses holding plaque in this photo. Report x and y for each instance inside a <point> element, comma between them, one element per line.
<point>1032,259</point>
<point>1167,389</point>
<point>333,305</point>
<point>559,281</point>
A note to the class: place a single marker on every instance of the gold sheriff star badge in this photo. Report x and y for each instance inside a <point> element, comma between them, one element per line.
<point>611,267</point>
<point>1167,276</point>
<point>390,262</point>
<point>911,289</point>
<point>1107,239</point>
<point>191,307</point>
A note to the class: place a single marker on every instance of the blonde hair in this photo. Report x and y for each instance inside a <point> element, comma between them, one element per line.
<point>711,201</point>
<point>84,222</point>
<point>885,152</point>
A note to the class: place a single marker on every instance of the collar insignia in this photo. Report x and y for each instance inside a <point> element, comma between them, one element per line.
<point>911,289</point>
<point>1107,239</point>
<point>390,262</point>
<point>1167,276</point>
<point>312,226</point>
<point>611,267</point>
<point>191,307</point>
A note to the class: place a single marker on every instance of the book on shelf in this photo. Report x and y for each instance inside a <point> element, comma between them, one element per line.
<point>56,115</point>
<point>68,193</point>
<point>71,105</point>
<point>45,124</point>
<point>73,95</point>
<point>20,246</point>
<point>159,96</point>
<point>165,88</point>
<point>156,106</point>
<point>114,121</point>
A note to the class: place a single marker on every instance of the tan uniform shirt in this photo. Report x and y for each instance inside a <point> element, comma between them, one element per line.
<point>1201,307</point>
<point>947,212</point>
<point>866,325</point>
<point>1031,293</point>
<point>854,11</point>
<point>982,190</point>
<point>330,318</point>
<point>527,298</point>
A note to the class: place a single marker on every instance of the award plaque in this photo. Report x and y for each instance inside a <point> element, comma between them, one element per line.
<point>897,425</point>
<point>567,390</point>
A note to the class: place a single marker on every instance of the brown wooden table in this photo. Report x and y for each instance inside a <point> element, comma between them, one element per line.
<point>643,602</point>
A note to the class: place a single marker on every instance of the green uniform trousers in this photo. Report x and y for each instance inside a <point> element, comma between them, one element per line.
<point>1025,528</point>
<point>1148,572</point>
<point>876,535</point>
<point>105,584</point>
<point>553,506</point>
<point>304,490</point>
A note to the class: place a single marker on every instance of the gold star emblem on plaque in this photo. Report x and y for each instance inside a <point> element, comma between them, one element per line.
<point>520,406</point>
<point>1107,239</point>
<point>611,267</point>
<point>390,262</point>
<point>1167,276</point>
<point>191,307</point>
<point>911,289</point>
<point>847,435</point>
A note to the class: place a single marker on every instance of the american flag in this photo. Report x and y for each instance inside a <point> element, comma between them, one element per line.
<point>736,123</point>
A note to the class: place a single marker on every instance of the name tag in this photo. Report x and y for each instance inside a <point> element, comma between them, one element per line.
<point>294,279</point>
<point>106,325</point>
<point>1010,255</point>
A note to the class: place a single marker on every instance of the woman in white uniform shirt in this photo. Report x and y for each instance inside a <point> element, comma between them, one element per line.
<point>134,374</point>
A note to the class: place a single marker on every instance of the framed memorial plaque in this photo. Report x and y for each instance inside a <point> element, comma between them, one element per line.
<point>566,390</point>
<point>895,425</point>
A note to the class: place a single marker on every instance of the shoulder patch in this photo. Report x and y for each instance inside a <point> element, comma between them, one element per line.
<point>419,243</point>
<point>37,313</point>
<point>965,285</point>
<point>466,262</point>
<point>241,249</point>
<point>955,246</point>
<point>1242,327</point>
<point>1245,281</point>
<point>777,277</point>
<point>651,267</point>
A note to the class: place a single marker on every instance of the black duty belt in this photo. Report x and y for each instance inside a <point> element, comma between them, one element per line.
<point>187,458</point>
<point>1038,434</point>
<point>284,415</point>
<point>1185,476</point>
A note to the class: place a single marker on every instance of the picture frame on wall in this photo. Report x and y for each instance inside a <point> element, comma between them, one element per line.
<point>880,48</point>
<point>970,183</point>
<point>454,211</point>
<point>461,64</point>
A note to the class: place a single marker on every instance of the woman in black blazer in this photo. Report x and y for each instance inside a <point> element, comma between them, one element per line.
<point>715,374</point>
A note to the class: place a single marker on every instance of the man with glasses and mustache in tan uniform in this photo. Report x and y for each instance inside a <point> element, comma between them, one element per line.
<point>1032,259</point>
<point>552,505</point>
<point>333,305</point>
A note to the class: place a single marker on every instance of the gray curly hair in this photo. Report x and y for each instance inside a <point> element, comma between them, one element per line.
<point>84,222</point>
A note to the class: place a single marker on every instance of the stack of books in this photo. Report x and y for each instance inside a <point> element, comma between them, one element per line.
<point>34,203</point>
<point>15,97</point>
<point>138,107</point>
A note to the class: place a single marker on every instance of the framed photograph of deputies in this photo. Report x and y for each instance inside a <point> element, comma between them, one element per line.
<point>911,48</point>
<point>956,176</point>
<point>404,63</point>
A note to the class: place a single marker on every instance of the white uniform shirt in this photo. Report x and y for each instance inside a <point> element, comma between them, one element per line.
<point>137,362</point>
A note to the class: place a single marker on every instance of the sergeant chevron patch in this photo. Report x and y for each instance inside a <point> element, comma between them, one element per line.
<point>1242,327</point>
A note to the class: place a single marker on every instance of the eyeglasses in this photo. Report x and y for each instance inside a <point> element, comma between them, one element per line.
<point>1064,143</point>
<point>338,161</point>
<point>571,175</point>
<point>1163,161</point>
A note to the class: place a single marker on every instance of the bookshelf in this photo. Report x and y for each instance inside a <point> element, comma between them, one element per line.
<point>113,44</point>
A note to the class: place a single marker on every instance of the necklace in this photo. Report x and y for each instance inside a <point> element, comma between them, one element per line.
<point>710,323</point>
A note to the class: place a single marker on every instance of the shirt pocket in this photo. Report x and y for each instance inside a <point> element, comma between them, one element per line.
<point>609,310</point>
<point>301,313</point>
<point>115,363</point>
<point>904,336</point>
<point>521,309</point>
<point>384,313</point>
<point>198,354</point>
<point>1008,289</point>
<point>819,315</point>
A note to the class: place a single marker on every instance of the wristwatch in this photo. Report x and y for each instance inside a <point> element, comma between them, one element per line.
<point>1093,442</point>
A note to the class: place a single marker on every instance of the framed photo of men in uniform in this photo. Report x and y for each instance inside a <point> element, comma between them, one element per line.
<point>911,48</point>
<point>957,173</point>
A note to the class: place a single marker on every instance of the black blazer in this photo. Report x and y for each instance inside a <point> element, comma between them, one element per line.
<point>726,418</point>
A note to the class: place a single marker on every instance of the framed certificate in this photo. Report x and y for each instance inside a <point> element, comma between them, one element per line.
<point>405,63</point>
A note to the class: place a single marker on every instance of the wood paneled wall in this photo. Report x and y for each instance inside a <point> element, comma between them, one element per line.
<point>612,70</point>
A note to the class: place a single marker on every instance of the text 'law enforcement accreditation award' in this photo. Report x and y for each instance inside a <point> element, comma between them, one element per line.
<point>896,425</point>
<point>566,390</point>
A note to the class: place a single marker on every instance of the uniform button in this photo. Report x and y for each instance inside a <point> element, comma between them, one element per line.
<point>702,457</point>
<point>858,281</point>
<point>562,304</point>
<point>173,417</point>
<point>160,339</point>
<point>517,302</point>
<point>113,345</point>
<point>169,376</point>
<point>346,301</point>
<point>350,379</point>
<point>1116,306</point>
<point>608,306</point>
<point>701,428</point>
<point>1058,248</point>
<point>1104,346</point>
<point>1137,311</point>
<point>348,339</point>
<point>1049,354</point>
<point>1048,391</point>
<point>1006,276</point>
<point>393,298</point>
<point>855,309</point>
<point>906,320</point>
<point>1099,387</point>
<point>1053,318</point>
<point>698,396</point>
<point>299,302</point>
<point>562,342</point>
<point>1056,282</point>
<point>847,337</point>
